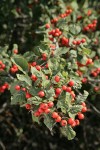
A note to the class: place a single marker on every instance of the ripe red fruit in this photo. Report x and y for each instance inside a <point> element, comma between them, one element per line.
<point>47,111</point>
<point>40,110</point>
<point>64,87</point>
<point>47,26</point>
<point>74,124</point>
<point>28,95</point>
<point>36,114</point>
<point>28,106</point>
<point>96,88</point>
<point>23,89</point>
<point>84,109</point>
<point>15,51</point>
<point>58,91</point>
<point>70,121</point>
<point>43,106</point>
<point>77,122</point>
<point>33,64</point>
<point>57,78</point>
<point>83,40</point>
<point>3,87</point>
<point>38,67</point>
<point>74,42</point>
<point>78,42</point>
<point>89,61</point>
<point>71,83</point>
<point>33,77</point>
<point>44,56</point>
<point>58,119</point>
<point>83,104</point>
<point>63,123</point>
<point>84,80</point>
<point>55,115</point>
<point>17,87</point>
<point>50,104</point>
<point>41,94</point>
<point>80,116</point>
<point>68,89</point>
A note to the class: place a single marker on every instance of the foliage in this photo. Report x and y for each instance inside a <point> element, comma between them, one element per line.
<point>51,80</point>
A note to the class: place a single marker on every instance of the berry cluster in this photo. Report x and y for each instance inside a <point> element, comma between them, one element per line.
<point>14,69</point>
<point>2,66</point>
<point>91,26</point>
<point>4,87</point>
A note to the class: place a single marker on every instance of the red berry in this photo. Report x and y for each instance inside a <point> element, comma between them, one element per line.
<point>33,64</point>
<point>84,80</point>
<point>44,106</point>
<point>23,89</point>
<point>47,111</point>
<point>38,67</point>
<point>83,104</point>
<point>74,42</point>
<point>68,89</point>
<point>41,94</point>
<point>58,119</point>
<point>28,95</point>
<point>55,115</point>
<point>28,106</point>
<point>50,104</point>
<point>15,51</point>
<point>40,110</point>
<point>47,26</point>
<point>17,87</point>
<point>36,114</point>
<point>44,56</point>
<point>3,87</point>
<point>74,124</point>
<point>70,121</point>
<point>57,78</point>
<point>71,83</point>
<point>80,116</point>
<point>64,87</point>
<point>63,123</point>
<point>58,91</point>
<point>83,40</point>
<point>33,77</point>
<point>78,42</point>
<point>77,122</point>
<point>96,88</point>
<point>89,61</point>
<point>84,109</point>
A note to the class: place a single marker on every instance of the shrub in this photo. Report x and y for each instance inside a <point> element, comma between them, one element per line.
<point>51,81</point>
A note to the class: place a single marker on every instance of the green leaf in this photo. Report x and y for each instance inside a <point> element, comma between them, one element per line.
<point>49,121</point>
<point>64,102</point>
<point>73,53</point>
<point>86,51</point>
<point>35,100</point>
<point>60,51</point>
<point>21,63</point>
<point>35,119</point>
<point>18,98</point>
<point>97,63</point>
<point>35,71</point>
<point>68,132</point>
<point>50,94</point>
<point>75,29</point>
<point>34,91</point>
<point>81,97</point>
<point>25,78</point>
<point>75,109</point>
